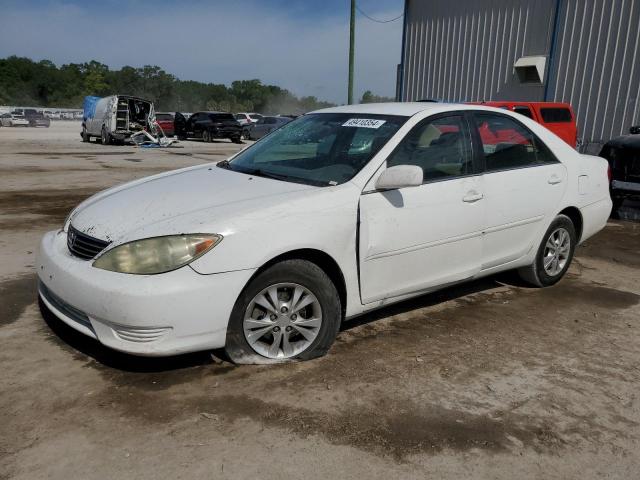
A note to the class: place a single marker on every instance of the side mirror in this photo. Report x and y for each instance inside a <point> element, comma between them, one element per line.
<point>400,176</point>
<point>635,130</point>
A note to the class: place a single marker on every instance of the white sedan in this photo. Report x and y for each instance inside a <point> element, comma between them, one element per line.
<point>13,120</point>
<point>339,212</point>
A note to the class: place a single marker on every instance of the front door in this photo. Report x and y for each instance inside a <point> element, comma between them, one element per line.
<point>416,238</point>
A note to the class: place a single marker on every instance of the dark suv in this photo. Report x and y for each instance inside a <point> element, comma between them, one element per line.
<point>623,155</point>
<point>36,118</point>
<point>208,126</point>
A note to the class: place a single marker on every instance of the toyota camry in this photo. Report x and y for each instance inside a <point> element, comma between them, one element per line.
<point>339,212</point>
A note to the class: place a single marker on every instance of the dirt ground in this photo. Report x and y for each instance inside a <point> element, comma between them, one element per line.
<point>485,380</point>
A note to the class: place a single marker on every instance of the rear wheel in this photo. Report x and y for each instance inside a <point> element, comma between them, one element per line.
<point>105,138</point>
<point>85,135</point>
<point>206,136</point>
<point>236,139</point>
<point>289,311</point>
<point>554,254</point>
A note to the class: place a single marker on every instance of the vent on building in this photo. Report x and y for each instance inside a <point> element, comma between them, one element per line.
<point>531,69</point>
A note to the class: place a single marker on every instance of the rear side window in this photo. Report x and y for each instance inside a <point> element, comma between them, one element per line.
<point>507,144</point>
<point>441,147</point>
<point>556,115</point>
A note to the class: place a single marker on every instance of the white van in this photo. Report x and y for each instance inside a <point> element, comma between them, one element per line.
<point>116,118</point>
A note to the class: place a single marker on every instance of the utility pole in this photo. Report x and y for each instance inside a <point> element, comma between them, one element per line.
<point>352,30</point>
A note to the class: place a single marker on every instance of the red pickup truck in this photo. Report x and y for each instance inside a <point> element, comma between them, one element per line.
<point>557,117</point>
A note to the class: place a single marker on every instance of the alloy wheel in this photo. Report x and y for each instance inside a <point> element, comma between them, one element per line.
<point>282,320</point>
<point>556,251</point>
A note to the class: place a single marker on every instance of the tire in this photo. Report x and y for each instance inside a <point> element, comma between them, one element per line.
<point>236,139</point>
<point>274,325</point>
<point>206,136</point>
<point>560,230</point>
<point>105,138</point>
<point>85,135</point>
<point>617,203</point>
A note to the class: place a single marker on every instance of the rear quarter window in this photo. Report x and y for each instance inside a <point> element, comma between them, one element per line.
<point>556,115</point>
<point>217,117</point>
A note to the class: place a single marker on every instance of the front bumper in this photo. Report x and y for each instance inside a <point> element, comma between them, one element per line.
<point>154,315</point>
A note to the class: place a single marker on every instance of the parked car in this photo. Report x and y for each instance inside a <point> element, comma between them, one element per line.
<point>208,126</point>
<point>13,120</point>
<point>265,126</point>
<point>623,155</point>
<point>244,118</point>
<point>165,120</point>
<point>115,118</point>
<point>52,114</point>
<point>267,253</point>
<point>36,118</point>
<point>557,117</point>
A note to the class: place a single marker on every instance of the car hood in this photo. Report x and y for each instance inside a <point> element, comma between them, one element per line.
<point>184,201</point>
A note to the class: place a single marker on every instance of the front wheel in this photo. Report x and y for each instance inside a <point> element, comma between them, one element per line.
<point>554,254</point>
<point>85,135</point>
<point>291,310</point>
<point>206,136</point>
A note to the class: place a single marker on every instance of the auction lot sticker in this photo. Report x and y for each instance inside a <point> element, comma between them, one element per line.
<point>364,123</point>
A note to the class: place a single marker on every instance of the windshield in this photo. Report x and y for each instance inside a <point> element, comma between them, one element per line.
<point>319,149</point>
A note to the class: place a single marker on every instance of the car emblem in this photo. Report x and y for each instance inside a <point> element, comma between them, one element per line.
<point>72,237</point>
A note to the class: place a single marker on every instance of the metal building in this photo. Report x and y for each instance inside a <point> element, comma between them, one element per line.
<point>584,52</point>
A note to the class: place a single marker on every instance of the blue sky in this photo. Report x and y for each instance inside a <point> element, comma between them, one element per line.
<point>301,45</point>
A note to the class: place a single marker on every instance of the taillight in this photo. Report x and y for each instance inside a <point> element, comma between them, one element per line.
<point>609,173</point>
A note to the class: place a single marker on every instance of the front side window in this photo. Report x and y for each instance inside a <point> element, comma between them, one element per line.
<point>507,144</point>
<point>526,111</point>
<point>441,147</point>
<point>318,149</point>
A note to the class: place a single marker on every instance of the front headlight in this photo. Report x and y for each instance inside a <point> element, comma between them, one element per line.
<point>157,254</point>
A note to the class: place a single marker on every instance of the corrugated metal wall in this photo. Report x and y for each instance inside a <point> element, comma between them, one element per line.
<point>465,50</point>
<point>596,66</point>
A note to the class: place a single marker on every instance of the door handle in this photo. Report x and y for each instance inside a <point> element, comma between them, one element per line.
<point>554,180</point>
<point>472,197</point>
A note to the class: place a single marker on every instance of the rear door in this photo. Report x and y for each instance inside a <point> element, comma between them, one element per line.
<point>523,185</point>
<point>413,239</point>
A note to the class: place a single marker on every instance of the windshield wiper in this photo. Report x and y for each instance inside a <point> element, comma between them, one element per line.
<point>263,173</point>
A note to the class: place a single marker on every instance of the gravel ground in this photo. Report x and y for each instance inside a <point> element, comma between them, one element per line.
<point>486,380</point>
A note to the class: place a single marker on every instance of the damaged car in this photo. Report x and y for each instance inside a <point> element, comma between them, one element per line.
<point>337,213</point>
<point>115,118</point>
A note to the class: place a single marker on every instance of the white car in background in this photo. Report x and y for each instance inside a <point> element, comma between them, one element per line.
<point>337,213</point>
<point>13,120</point>
<point>244,118</point>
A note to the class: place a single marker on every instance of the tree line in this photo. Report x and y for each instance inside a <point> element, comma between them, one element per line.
<point>43,84</point>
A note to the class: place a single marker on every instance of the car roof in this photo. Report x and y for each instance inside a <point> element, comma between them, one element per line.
<point>407,109</point>
<point>625,141</point>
